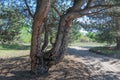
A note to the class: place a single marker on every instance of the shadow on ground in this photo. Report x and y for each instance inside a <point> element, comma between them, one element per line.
<point>84,52</point>
<point>104,77</point>
<point>19,69</point>
<point>85,55</point>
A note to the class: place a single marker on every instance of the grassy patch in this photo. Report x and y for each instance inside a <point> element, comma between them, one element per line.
<point>13,53</point>
<point>13,50</point>
<point>14,47</point>
<point>105,50</point>
<point>87,44</point>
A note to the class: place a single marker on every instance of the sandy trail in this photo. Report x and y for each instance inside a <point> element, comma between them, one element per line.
<point>102,67</point>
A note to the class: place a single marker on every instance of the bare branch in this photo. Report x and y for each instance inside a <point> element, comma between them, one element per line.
<point>28,8</point>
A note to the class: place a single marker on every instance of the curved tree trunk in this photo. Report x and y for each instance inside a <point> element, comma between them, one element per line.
<point>37,63</point>
<point>56,53</point>
<point>41,61</point>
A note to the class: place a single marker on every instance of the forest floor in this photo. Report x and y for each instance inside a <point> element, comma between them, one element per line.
<point>19,69</point>
<point>78,64</point>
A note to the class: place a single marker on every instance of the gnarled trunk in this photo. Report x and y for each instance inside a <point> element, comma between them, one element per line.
<point>41,60</point>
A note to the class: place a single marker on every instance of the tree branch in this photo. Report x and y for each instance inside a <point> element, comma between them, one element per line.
<point>28,8</point>
<point>76,11</point>
<point>56,10</point>
<point>94,13</point>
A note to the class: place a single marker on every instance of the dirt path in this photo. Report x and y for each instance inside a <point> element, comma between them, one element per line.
<point>102,67</point>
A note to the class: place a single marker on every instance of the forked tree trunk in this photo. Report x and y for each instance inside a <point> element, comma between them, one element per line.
<point>60,45</point>
<point>41,61</point>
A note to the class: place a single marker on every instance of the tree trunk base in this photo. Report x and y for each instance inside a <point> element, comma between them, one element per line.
<point>40,70</point>
<point>39,66</point>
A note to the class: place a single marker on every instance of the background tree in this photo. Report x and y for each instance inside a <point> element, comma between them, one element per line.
<point>11,22</point>
<point>106,28</point>
<point>115,31</point>
<point>74,34</point>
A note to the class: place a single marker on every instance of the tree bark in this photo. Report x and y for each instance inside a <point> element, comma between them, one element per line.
<point>56,53</point>
<point>41,61</point>
<point>118,43</point>
<point>38,66</point>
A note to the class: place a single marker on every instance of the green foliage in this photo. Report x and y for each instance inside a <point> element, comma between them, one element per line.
<point>91,35</point>
<point>77,36</point>
<point>14,47</point>
<point>107,31</point>
<point>105,37</point>
<point>74,34</point>
<point>110,31</point>
<point>10,23</point>
<point>25,35</point>
<point>84,38</point>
